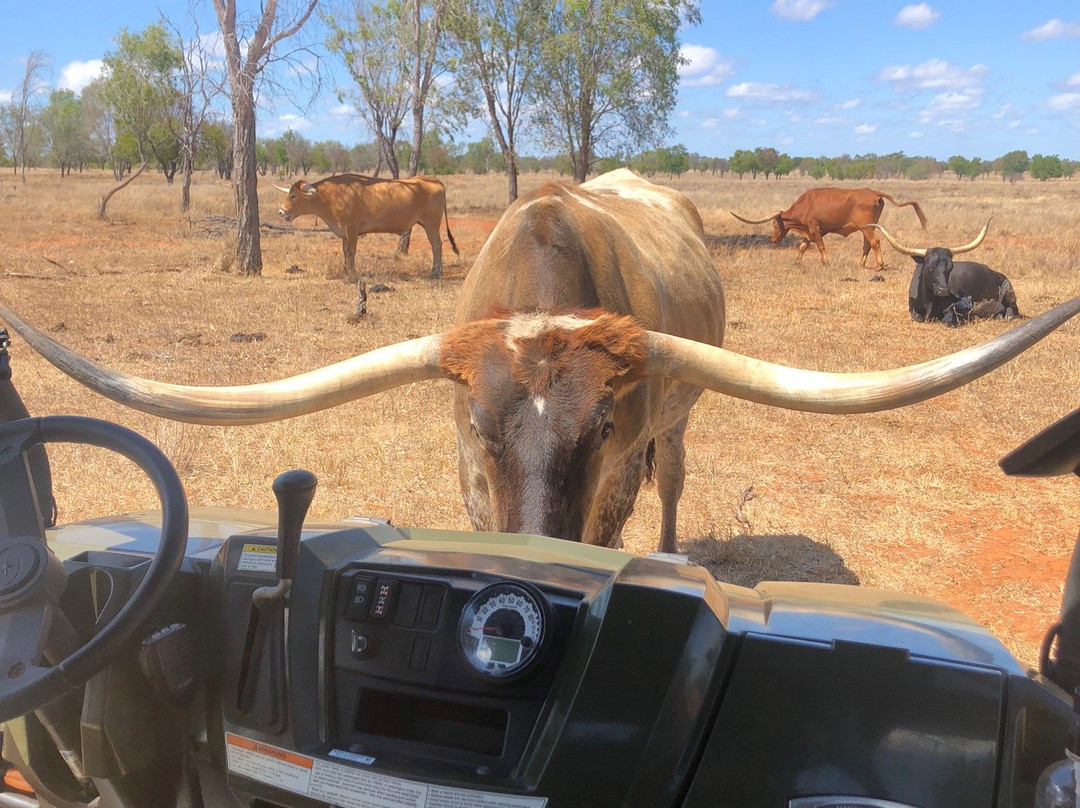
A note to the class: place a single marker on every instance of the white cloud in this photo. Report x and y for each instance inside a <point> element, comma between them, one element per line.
<point>769,93</point>
<point>866,128</point>
<point>951,103</point>
<point>915,135</point>
<point>1065,101</point>
<point>282,124</point>
<point>953,124</point>
<point>854,102</point>
<point>1003,110</point>
<point>76,75</point>
<point>5,96</point>
<point>933,75</point>
<point>704,68</point>
<point>799,10</point>
<point>1072,81</point>
<point>346,111</point>
<point>916,16</point>
<point>1054,29</point>
<point>831,120</point>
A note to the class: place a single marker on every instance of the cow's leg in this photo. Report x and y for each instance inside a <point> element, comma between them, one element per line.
<point>670,475</point>
<point>615,499</point>
<point>348,246</point>
<point>802,248</point>
<point>436,248</point>
<point>819,242</point>
<point>871,242</point>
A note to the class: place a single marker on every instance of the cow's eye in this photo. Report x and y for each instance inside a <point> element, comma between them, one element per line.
<point>491,445</point>
<point>607,429</point>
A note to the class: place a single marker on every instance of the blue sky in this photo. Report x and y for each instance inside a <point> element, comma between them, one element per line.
<point>808,77</point>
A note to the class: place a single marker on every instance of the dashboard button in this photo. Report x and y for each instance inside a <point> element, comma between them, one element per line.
<point>359,602</point>
<point>408,605</point>
<point>385,593</point>
<point>431,606</point>
<point>359,645</point>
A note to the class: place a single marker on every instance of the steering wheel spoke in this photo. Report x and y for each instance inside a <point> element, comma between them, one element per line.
<point>24,629</point>
<point>20,513</point>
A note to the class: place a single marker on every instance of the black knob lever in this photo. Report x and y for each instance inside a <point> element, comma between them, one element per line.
<point>294,491</point>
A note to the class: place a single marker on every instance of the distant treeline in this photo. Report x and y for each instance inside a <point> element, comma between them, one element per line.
<point>67,147</point>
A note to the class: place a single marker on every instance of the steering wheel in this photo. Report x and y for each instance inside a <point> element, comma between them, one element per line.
<point>32,578</point>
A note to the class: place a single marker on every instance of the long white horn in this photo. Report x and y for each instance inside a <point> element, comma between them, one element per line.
<point>912,251</point>
<point>972,245</point>
<point>364,375</point>
<point>753,221</point>
<point>283,190</point>
<point>812,391</point>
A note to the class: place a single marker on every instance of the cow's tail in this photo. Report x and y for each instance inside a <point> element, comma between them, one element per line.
<point>914,204</point>
<point>449,235</point>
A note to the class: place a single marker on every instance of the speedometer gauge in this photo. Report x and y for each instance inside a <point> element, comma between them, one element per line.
<point>503,629</point>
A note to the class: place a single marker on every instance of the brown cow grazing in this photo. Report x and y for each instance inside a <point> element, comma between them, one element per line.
<point>352,205</point>
<point>821,211</point>
<point>587,328</point>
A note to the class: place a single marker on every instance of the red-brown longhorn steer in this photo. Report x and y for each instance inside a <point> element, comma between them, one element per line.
<point>352,205</point>
<point>587,328</point>
<point>821,211</point>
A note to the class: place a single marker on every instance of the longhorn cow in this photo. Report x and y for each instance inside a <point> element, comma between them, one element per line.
<point>952,291</point>
<point>352,205</point>
<point>821,211</point>
<point>586,330</point>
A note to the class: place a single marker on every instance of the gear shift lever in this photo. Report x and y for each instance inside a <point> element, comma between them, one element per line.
<point>294,491</point>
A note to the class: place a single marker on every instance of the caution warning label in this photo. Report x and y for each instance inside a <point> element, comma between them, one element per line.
<point>349,787</point>
<point>258,558</point>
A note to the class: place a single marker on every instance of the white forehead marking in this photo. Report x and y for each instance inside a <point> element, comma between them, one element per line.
<point>530,326</point>
<point>590,204</point>
<point>538,402</point>
<point>529,204</point>
<point>637,193</point>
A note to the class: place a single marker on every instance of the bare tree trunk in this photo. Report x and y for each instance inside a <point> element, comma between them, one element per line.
<point>248,246</point>
<point>105,199</point>
<point>185,192</point>
<point>512,176</point>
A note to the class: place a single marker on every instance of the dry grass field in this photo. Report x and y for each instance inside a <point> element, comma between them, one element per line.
<point>910,499</point>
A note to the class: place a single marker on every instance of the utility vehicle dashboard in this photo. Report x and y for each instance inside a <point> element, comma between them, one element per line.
<point>435,668</point>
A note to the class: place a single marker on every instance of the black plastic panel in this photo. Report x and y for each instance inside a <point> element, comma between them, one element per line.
<point>801,719</point>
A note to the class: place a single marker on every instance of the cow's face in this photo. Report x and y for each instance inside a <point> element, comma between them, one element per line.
<point>299,199</point>
<point>545,413</point>
<point>937,265</point>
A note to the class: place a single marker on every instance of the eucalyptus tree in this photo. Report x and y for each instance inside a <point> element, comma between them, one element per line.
<point>250,44</point>
<point>378,44</point>
<point>64,130</point>
<point>20,113</point>
<point>138,88</point>
<point>498,50</point>
<point>199,83</point>
<point>608,75</point>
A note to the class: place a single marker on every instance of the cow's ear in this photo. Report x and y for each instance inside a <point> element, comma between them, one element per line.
<point>307,189</point>
<point>916,280</point>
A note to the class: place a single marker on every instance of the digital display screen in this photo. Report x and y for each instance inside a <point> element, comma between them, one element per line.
<point>504,649</point>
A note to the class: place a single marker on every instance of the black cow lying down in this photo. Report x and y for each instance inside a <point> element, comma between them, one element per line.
<point>955,291</point>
